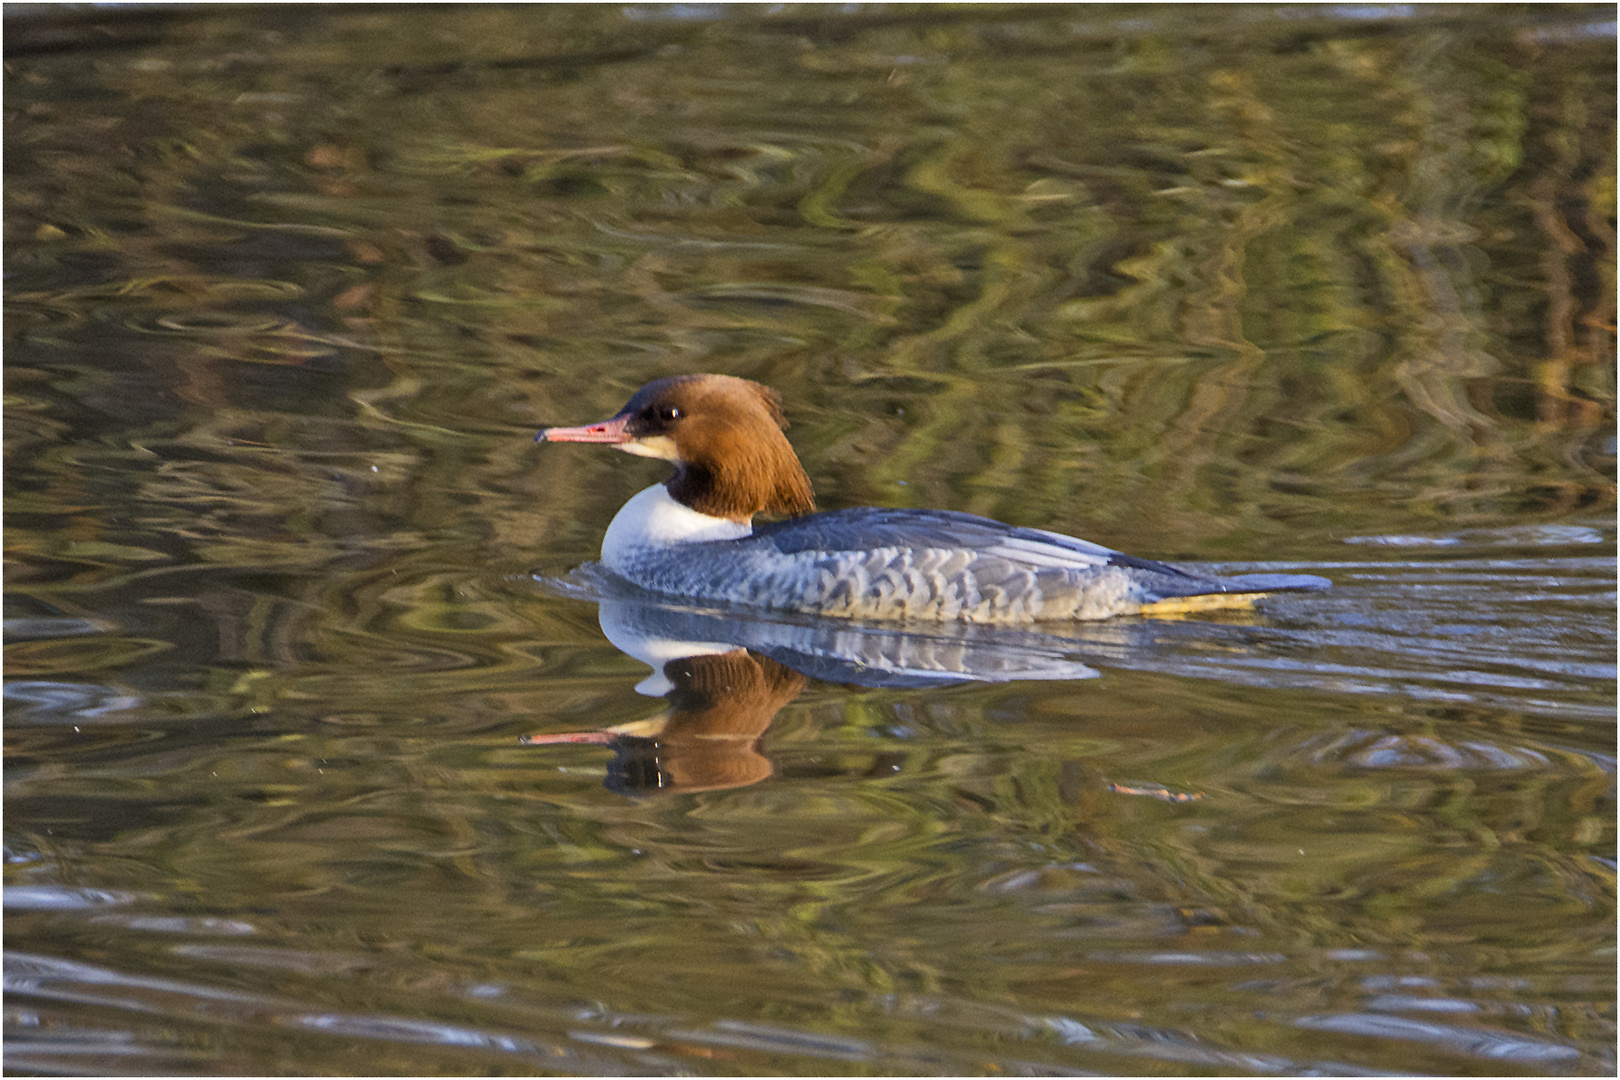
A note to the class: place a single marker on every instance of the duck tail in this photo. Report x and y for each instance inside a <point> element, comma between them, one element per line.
<point>1232,594</point>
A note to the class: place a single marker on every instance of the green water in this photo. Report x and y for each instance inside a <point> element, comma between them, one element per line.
<point>288,584</point>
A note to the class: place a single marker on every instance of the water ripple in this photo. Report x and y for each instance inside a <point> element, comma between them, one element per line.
<point>1469,1042</point>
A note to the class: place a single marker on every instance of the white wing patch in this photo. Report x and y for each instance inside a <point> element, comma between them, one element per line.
<point>1055,556</point>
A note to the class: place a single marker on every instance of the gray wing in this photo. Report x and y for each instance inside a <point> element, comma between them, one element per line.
<point>928,565</point>
<point>869,528</point>
<point>939,564</point>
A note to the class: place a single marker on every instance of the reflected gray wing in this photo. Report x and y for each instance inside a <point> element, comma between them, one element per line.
<point>841,651</point>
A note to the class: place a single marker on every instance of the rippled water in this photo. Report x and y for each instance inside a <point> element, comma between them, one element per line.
<point>323,755</point>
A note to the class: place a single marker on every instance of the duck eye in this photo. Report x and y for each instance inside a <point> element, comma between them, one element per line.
<point>668,413</point>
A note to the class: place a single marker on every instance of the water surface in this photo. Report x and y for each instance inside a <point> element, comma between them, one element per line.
<point>320,753</point>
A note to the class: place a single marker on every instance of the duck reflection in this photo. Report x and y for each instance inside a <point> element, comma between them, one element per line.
<point>708,739</point>
<point>726,674</point>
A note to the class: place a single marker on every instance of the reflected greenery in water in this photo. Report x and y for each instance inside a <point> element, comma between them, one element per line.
<point>290,288</point>
<point>1189,291</point>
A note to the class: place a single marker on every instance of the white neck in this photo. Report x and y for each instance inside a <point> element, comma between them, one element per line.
<point>654,520</point>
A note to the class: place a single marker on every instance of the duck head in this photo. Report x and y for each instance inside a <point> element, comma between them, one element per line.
<point>722,434</point>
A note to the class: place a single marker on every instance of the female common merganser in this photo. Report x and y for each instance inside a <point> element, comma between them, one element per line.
<point>693,536</point>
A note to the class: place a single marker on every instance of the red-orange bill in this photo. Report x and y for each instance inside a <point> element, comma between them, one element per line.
<point>608,431</point>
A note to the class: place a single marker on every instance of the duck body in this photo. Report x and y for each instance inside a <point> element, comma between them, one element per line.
<point>694,536</point>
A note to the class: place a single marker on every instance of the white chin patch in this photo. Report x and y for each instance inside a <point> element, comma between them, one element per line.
<point>658,446</point>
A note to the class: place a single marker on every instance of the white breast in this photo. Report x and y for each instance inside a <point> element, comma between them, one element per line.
<point>654,521</point>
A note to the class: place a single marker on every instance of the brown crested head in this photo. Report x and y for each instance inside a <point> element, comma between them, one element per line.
<point>724,436</point>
